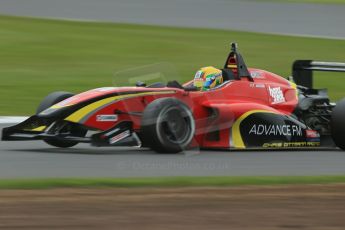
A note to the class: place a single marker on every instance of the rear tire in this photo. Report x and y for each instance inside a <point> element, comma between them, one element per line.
<point>338,124</point>
<point>167,125</point>
<point>51,100</point>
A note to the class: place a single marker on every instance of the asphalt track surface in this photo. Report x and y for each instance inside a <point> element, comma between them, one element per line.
<point>36,159</point>
<point>33,159</point>
<point>319,20</point>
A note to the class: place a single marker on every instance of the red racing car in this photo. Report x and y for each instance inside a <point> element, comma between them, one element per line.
<point>251,108</point>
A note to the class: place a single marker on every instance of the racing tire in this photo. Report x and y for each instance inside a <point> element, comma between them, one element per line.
<point>47,102</point>
<point>338,124</point>
<point>52,99</point>
<point>167,125</point>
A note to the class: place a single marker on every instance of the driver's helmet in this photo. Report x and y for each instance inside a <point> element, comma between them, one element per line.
<point>208,78</point>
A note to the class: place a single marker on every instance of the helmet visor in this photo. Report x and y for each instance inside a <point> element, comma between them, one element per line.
<point>209,82</point>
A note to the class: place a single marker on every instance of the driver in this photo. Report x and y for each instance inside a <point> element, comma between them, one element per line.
<point>208,78</point>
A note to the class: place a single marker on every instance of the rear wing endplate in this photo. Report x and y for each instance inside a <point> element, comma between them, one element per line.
<point>302,70</point>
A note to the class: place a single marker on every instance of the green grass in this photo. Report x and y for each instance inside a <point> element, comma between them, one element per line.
<point>39,56</point>
<point>166,182</point>
<point>306,1</point>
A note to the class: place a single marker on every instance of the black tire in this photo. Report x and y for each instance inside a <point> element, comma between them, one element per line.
<point>47,102</point>
<point>52,99</point>
<point>167,125</point>
<point>338,124</point>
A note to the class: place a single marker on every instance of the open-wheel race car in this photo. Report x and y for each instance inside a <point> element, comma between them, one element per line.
<point>248,108</point>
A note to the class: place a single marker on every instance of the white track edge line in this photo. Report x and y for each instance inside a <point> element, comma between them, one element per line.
<point>12,119</point>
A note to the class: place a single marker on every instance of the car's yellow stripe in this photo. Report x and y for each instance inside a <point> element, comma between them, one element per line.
<point>294,86</point>
<point>236,132</point>
<point>81,113</point>
<point>38,129</point>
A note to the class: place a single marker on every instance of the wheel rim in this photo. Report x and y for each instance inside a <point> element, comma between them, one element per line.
<point>176,125</point>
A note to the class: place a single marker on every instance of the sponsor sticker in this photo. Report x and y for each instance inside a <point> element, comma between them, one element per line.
<point>252,85</point>
<point>276,130</point>
<point>312,134</point>
<point>259,86</point>
<point>112,132</point>
<point>106,117</point>
<point>291,144</point>
<point>301,144</point>
<point>256,75</point>
<point>119,137</point>
<point>276,94</point>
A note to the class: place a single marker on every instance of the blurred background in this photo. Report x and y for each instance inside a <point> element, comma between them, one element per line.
<point>81,44</point>
<point>76,45</point>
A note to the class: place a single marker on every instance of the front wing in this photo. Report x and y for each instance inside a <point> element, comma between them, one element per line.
<point>37,128</point>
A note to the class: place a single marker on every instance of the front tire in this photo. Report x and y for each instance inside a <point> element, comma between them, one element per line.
<point>338,124</point>
<point>167,125</point>
<point>51,100</point>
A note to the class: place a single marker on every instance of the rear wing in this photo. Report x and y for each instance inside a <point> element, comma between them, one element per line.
<point>302,70</point>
